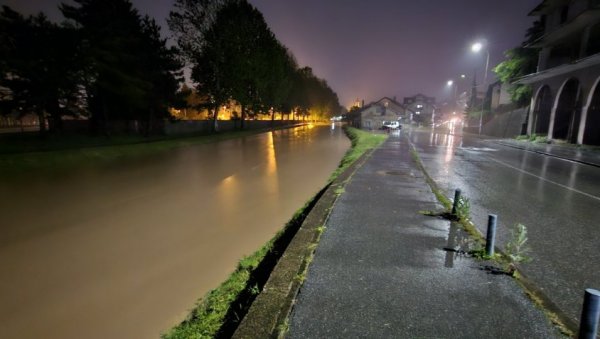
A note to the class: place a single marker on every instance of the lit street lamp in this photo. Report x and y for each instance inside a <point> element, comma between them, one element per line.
<point>451,83</point>
<point>476,47</point>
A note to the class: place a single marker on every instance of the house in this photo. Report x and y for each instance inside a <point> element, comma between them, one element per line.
<point>499,95</point>
<point>565,103</point>
<point>420,109</point>
<point>374,114</point>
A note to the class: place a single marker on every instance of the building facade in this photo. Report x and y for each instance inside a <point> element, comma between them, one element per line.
<point>420,109</point>
<point>566,93</point>
<point>373,115</point>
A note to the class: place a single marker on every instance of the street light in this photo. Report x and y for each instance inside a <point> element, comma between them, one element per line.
<point>476,47</point>
<point>450,83</point>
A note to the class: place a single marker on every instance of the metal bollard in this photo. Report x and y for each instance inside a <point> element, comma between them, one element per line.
<point>588,325</point>
<point>456,199</point>
<point>490,238</point>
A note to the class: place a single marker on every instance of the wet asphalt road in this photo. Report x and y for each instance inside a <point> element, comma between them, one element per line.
<point>558,201</point>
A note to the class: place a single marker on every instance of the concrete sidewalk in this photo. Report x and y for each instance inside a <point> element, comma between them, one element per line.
<point>380,270</point>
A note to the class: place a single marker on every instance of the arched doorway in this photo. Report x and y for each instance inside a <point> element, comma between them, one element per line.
<point>568,112</point>
<point>542,111</point>
<point>591,135</point>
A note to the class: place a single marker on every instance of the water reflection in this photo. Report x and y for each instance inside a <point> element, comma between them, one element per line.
<point>271,159</point>
<point>123,251</point>
<point>449,148</point>
<point>457,244</point>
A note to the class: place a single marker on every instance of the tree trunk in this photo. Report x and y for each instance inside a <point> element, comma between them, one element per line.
<point>56,119</point>
<point>42,122</point>
<point>273,118</point>
<point>242,124</point>
<point>148,128</point>
<point>215,117</point>
<point>103,123</point>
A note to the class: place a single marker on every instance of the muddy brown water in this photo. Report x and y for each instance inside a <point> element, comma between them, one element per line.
<point>124,251</point>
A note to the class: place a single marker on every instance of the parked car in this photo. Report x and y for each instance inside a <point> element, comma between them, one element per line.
<point>391,125</point>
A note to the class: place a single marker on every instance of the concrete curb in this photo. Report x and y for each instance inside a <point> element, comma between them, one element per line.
<point>267,317</point>
<point>546,153</point>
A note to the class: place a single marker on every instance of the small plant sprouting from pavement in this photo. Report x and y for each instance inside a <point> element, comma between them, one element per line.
<point>534,138</point>
<point>283,328</point>
<point>321,229</point>
<point>516,248</point>
<point>255,290</point>
<point>522,137</point>
<point>463,208</point>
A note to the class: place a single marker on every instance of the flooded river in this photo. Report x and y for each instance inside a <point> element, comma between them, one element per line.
<point>125,250</point>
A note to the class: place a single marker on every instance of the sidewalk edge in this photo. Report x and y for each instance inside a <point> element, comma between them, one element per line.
<point>267,317</point>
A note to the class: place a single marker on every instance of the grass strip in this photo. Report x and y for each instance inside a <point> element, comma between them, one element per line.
<point>218,313</point>
<point>361,142</point>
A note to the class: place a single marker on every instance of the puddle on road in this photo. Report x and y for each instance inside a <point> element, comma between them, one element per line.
<point>478,149</point>
<point>411,174</point>
<point>458,246</point>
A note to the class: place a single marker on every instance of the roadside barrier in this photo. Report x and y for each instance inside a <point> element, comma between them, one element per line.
<point>490,239</point>
<point>456,199</point>
<point>590,314</point>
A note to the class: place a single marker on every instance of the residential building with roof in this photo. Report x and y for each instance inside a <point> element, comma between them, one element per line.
<point>373,115</point>
<point>420,109</point>
<point>565,103</point>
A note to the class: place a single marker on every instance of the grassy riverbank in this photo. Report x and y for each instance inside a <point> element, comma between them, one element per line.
<point>25,153</point>
<point>211,316</point>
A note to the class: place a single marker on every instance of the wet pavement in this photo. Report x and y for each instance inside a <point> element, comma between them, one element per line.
<point>380,270</point>
<point>556,199</point>
<point>583,154</point>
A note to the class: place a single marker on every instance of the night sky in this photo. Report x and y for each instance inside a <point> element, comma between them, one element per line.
<point>369,49</point>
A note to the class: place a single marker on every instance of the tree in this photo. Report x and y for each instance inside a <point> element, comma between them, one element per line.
<point>313,96</point>
<point>129,71</point>
<point>281,76</point>
<point>519,62</point>
<point>251,52</point>
<point>161,71</point>
<point>234,55</point>
<point>39,66</point>
<point>192,24</point>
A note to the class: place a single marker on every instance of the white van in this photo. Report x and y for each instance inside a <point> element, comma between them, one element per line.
<point>391,125</point>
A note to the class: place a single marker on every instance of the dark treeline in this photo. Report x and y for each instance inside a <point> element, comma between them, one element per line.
<point>105,62</point>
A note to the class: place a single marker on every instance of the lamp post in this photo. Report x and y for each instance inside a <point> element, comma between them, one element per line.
<point>476,47</point>
<point>451,83</point>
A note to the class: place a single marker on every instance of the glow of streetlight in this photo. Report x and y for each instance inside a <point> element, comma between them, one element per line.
<point>476,47</point>
<point>462,76</point>
<point>450,83</point>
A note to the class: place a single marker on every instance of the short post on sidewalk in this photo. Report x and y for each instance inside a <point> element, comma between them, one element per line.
<point>490,238</point>
<point>590,314</point>
<point>456,199</point>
